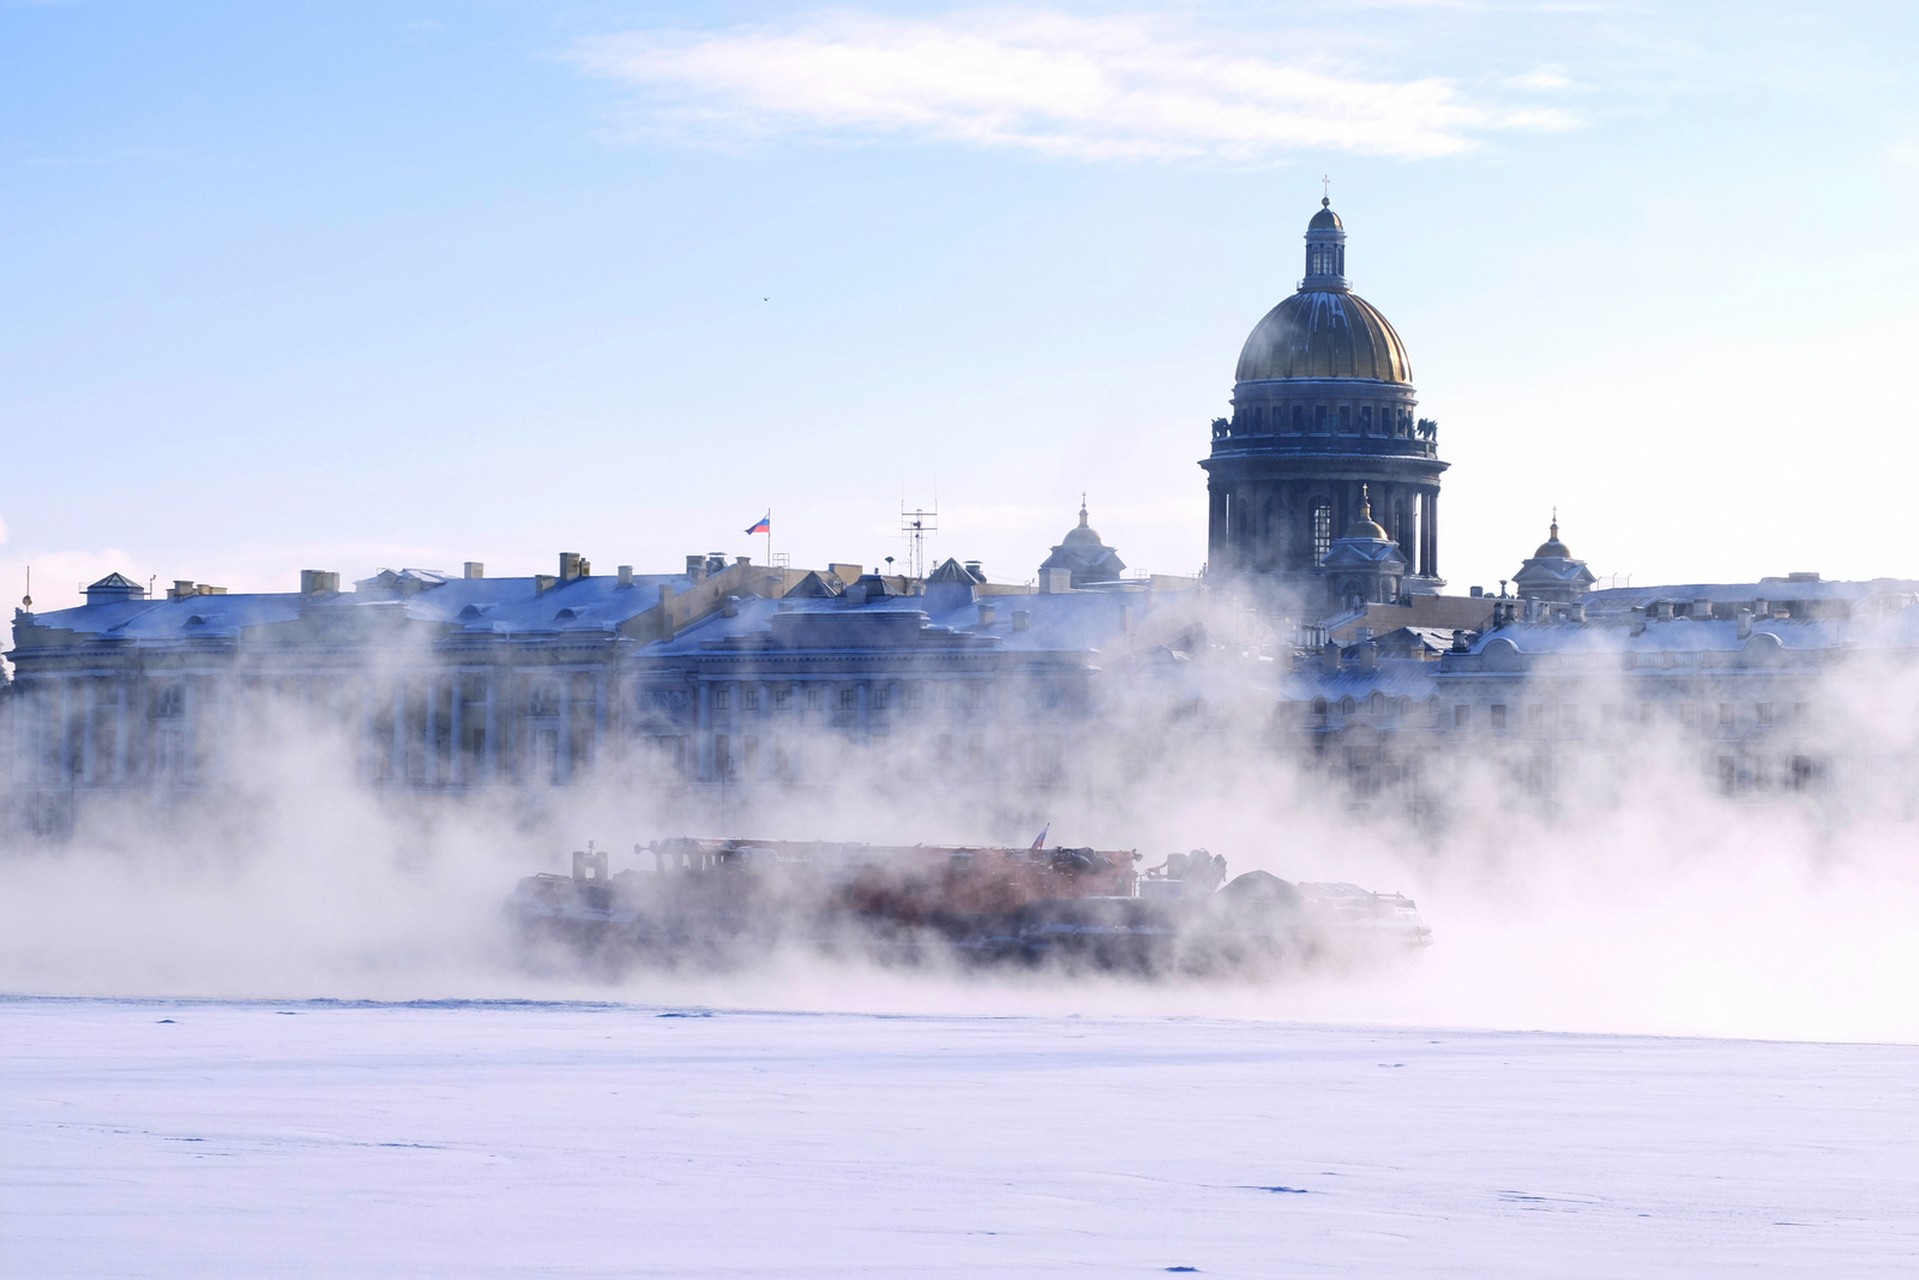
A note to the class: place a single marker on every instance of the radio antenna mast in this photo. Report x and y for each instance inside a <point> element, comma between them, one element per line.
<point>915,525</point>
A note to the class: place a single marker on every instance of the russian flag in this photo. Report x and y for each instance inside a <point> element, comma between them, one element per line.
<point>1041,842</point>
<point>763,525</point>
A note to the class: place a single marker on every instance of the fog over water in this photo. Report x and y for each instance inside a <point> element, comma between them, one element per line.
<point>1635,899</point>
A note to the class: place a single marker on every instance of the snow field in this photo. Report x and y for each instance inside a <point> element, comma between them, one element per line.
<point>180,1138</point>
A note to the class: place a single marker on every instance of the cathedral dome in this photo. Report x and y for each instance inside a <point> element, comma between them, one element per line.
<point>1325,330</point>
<point>1324,334</point>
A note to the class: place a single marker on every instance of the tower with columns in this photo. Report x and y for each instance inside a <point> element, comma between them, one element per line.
<point>1324,411</point>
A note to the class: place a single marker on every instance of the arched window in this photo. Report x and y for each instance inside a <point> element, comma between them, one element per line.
<point>1322,531</point>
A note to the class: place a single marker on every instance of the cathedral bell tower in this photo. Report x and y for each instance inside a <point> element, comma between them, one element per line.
<point>1324,417</point>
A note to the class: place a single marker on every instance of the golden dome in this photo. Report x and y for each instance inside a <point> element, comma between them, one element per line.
<point>1552,548</point>
<point>1324,333</point>
<point>1366,526</point>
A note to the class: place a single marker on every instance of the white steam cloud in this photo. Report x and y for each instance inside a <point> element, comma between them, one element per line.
<point>1105,88</point>
<point>1632,896</point>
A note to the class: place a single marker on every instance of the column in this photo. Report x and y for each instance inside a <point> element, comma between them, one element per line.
<point>490,749</point>
<point>563,752</point>
<point>456,723</point>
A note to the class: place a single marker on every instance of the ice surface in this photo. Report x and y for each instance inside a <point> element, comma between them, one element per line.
<point>179,1138</point>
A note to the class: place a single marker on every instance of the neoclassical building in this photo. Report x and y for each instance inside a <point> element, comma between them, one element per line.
<point>1324,421</point>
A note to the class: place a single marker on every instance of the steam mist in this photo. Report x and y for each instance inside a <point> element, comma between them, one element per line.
<point>1628,896</point>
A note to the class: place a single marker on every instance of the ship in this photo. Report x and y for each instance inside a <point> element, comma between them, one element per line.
<point>713,903</point>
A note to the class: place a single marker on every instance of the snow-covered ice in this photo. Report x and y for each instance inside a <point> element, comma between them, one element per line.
<point>183,1138</point>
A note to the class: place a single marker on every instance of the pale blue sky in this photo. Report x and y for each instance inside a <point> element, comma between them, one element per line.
<point>343,286</point>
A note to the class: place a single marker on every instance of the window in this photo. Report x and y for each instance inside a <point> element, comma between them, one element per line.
<point>1319,417</point>
<point>1345,418</point>
<point>1763,713</point>
<point>1346,706</point>
<point>1498,713</point>
<point>882,696</point>
<point>1365,420</point>
<point>782,697</point>
<point>815,698</point>
<point>1725,713</point>
<point>722,697</point>
<point>1462,716</point>
<point>752,697</point>
<point>849,698</point>
<point>1535,715</point>
<point>914,697</point>
<point>722,756</point>
<point>1322,531</point>
<point>1299,418</point>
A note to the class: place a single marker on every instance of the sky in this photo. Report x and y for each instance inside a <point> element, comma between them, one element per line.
<point>349,286</point>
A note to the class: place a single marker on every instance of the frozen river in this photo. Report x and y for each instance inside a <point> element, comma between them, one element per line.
<point>181,1138</point>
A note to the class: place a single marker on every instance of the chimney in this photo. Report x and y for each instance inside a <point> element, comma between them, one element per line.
<point>1662,610</point>
<point>1702,610</point>
<point>743,561</point>
<point>626,575</point>
<point>979,574</point>
<point>696,567</point>
<point>475,570</point>
<point>181,589</point>
<point>715,562</point>
<point>571,566</point>
<point>1745,623</point>
<point>1476,592</point>
<point>731,608</point>
<point>1021,619</point>
<point>1054,582</point>
<point>1639,619</point>
<point>988,614</point>
<point>318,582</point>
<point>1460,643</point>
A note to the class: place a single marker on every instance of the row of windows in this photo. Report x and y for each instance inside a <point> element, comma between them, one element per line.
<point>1323,419</point>
<point>880,697</point>
<point>1569,716</point>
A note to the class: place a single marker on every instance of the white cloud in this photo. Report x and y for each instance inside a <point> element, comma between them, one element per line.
<point>1089,88</point>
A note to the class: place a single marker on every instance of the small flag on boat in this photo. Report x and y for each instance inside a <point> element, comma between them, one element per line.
<point>763,525</point>
<point>1040,843</point>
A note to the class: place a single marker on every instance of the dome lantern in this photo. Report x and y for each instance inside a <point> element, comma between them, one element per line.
<point>1325,251</point>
